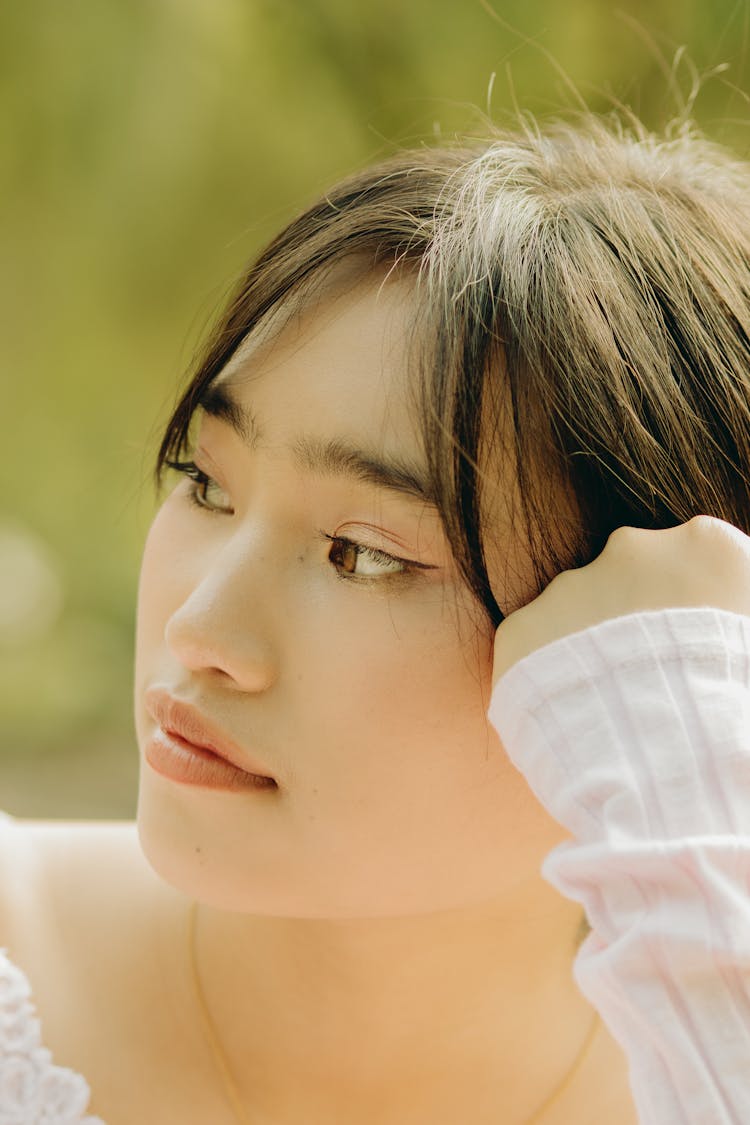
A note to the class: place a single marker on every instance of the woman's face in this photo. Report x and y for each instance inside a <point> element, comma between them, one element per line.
<point>275,603</point>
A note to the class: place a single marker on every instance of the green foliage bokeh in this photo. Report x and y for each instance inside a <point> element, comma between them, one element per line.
<point>148,149</point>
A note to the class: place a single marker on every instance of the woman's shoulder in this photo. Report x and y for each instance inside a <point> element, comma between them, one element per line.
<point>27,1067</point>
<point>74,892</point>
<point>76,899</point>
<point>91,926</point>
<point>96,933</point>
<point>60,876</point>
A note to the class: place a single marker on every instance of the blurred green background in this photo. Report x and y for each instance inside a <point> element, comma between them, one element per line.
<point>148,149</point>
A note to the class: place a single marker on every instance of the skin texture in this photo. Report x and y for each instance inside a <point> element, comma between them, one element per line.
<point>377,926</point>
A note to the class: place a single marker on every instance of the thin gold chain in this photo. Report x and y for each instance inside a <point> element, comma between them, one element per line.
<point>229,1084</point>
<point>539,1113</point>
<point>210,1030</point>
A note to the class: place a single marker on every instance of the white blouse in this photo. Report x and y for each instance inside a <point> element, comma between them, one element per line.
<point>635,735</point>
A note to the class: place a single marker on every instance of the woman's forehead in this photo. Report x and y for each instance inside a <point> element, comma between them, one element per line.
<point>362,332</point>
<point>317,301</point>
<point>336,374</point>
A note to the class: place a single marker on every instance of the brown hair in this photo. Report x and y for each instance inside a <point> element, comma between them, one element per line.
<point>589,282</point>
<point>582,304</point>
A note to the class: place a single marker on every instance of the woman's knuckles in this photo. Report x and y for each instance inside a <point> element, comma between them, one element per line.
<point>703,562</point>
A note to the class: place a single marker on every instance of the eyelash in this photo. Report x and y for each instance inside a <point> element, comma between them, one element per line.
<point>200,481</point>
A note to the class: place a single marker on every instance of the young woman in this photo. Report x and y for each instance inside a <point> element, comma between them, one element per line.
<point>434,662</point>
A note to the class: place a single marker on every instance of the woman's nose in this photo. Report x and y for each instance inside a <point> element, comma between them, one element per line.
<point>223,624</point>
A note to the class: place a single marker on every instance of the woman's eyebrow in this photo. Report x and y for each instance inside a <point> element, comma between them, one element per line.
<point>324,457</point>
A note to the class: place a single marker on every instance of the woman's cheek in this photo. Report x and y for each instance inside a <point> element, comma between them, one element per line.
<point>170,566</point>
<point>159,559</point>
<point>408,675</point>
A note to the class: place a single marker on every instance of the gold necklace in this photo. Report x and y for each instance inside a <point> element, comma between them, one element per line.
<point>231,1089</point>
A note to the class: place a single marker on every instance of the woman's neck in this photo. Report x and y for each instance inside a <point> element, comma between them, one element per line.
<point>426,1019</point>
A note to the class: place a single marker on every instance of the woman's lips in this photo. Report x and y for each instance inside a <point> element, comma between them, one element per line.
<point>188,726</point>
<point>175,757</point>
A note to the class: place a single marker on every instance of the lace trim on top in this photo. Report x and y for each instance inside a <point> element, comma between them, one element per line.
<point>33,1091</point>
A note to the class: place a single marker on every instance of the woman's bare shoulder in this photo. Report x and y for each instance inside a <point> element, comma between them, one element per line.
<point>80,911</point>
<point>93,927</point>
<point>61,880</point>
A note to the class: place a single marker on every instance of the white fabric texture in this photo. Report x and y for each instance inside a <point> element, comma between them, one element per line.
<point>33,1091</point>
<point>635,735</point>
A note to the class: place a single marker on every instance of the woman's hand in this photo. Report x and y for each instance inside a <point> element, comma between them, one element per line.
<point>704,562</point>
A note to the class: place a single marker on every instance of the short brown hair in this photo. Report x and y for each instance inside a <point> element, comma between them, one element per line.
<point>597,275</point>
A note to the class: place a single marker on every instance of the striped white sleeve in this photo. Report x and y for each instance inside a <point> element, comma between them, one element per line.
<point>635,735</point>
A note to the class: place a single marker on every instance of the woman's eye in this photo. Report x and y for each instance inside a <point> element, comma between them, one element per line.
<point>351,560</point>
<point>201,487</point>
<point>354,560</point>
